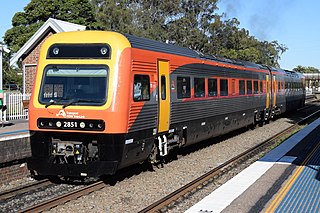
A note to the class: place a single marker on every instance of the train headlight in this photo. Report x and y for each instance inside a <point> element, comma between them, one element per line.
<point>91,125</point>
<point>41,123</point>
<point>58,124</point>
<point>100,126</point>
<point>55,51</point>
<point>104,50</point>
<point>50,124</point>
<point>82,125</point>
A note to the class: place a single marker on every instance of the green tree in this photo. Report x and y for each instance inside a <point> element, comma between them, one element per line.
<point>229,41</point>
<point>190,26</point>
<point>182,22</point>
<point>26,23</point>
<point>115,15</point>
<point>9,74</point>
<point>303,69</point>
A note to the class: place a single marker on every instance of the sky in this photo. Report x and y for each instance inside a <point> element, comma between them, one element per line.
<point>294,23</point>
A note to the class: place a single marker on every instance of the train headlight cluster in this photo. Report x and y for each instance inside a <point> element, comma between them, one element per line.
<point>72,124</point>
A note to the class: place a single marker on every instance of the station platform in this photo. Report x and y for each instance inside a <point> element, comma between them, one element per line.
<point>287,179</point>
<point>14,129</point>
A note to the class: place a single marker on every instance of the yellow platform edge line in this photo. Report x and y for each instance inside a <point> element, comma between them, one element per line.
<point>275,203</point>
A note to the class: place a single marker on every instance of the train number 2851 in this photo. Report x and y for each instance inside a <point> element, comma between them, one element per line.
<point>70,124</point>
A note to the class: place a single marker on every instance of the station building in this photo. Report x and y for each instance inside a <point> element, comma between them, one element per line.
<point>28,55</point>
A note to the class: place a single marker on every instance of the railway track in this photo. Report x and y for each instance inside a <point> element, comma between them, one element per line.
<point>187,189</point>
<point>23,189</point>
<point>190,188</point>
<point>45,205</point>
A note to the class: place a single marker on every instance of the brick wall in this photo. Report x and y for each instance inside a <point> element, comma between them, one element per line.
<point>32,58</point>
<point>13,159</point>
<point>11,173</point>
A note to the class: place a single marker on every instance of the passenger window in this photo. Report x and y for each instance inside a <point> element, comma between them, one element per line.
<point>141,88</point>
<point>199,87</point>
<point>212,87</point>
<point>163,88</point>
<point>261,87</point>
<point>183,87</point>
<point>255,87</point>
<point>242,87</point>
<point>249,87</point>
<point>223,87</point>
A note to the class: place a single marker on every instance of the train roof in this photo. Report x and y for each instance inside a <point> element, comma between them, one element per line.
<point>148,44</point>
<point>290,73</point>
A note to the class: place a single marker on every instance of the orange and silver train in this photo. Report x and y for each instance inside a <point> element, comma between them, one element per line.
<point>103,101</point>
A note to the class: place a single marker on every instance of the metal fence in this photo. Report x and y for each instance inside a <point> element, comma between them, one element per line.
<point>16,106</point>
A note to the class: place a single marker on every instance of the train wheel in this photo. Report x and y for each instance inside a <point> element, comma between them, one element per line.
<point>153,155</point>
<point>253,125</point>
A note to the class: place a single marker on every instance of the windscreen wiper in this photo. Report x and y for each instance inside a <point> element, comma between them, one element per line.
<point>55,101</point>
<point>79,100</point>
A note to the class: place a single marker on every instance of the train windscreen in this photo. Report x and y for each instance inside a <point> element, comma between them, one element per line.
<point>74,85</point>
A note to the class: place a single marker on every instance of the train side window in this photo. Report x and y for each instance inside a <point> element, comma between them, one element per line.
<point>183,87</point>
<point>242,87</point>
<point>141,88</point>
<point>249,87</point>
<point>199,87</point>
<point>224,87</point>
<point>255,87</point>
<point>163,88</point>
<point>261,87</point>
<point>212,87</point>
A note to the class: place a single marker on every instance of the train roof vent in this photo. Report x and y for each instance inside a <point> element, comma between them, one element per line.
<point>148,44</point>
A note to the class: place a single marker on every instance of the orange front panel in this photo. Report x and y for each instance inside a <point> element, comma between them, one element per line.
<point>114,113</point>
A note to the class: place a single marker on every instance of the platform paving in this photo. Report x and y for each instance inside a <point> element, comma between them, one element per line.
<point>12,129</point>
<point>254,189</point>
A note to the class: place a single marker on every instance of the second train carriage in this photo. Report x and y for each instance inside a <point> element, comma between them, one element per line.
<point>104,100</point>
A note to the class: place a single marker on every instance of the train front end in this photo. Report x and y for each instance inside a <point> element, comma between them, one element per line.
<point>77,116</point>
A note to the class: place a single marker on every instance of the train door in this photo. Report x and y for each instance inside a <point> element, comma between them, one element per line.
<point>164,96</point>
<point>274,91</point>
<point>268,92</point>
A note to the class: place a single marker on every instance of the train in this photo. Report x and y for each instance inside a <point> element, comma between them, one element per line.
<point>103,101</point>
